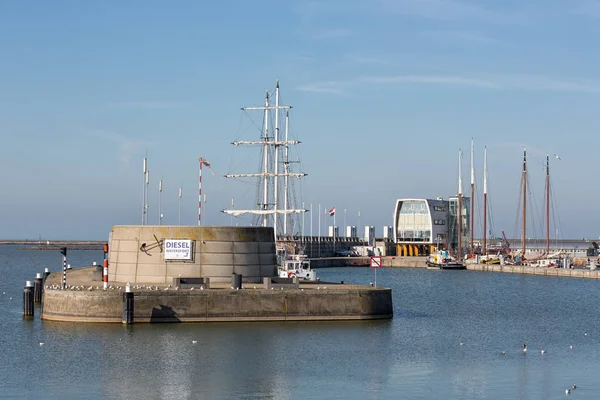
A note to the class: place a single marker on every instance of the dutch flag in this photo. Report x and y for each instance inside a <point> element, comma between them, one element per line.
<point>332,212</point>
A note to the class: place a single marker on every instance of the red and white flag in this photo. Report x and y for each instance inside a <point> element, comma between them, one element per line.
<point>332,212</point>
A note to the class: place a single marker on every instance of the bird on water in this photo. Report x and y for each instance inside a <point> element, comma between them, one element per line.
<point>525,349</point>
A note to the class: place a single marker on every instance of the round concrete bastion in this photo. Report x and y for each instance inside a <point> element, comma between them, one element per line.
<point>156,254</point>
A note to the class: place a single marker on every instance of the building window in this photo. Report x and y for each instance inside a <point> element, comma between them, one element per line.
<point>439,208</point>
<point>439,222</point>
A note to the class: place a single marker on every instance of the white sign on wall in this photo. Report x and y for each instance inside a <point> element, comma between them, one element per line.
<point>178,249</point>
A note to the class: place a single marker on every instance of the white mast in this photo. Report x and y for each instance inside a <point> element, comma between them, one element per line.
<point>266,161</point>
<point>472,216</point>
<point>460,194</point>
<point>179,208</point>
<point>485,200</point>
<point>159,205</point>
<point>144,191</point>
<point>265,209</point>
<point>286,171</point>
<point>276,161</point>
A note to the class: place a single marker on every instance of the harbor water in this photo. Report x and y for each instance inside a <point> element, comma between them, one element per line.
<point>454,335</point>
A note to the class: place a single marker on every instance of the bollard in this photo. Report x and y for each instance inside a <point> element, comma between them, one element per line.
<point>68,266</point>
<point>105,274</point>
<point>46,274</point>
<point>128,305</point>
<point>28,299</point>
<point>38,287</point>
<point>236,281</point>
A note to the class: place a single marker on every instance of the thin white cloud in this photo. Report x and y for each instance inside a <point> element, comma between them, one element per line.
<point>459,37</point>
<point>479,81</point>
<point>472,10</point>
<point>149,105</point>
<point>126,147</point>
<point>429,80</point>
<point>331,87</point>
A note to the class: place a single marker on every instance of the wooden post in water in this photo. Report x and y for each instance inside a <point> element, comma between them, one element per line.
<point>128,305</point>
<point>38,286</point>
<point>28,299</point>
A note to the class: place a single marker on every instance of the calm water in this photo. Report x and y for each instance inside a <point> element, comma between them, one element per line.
<point>417,355</point>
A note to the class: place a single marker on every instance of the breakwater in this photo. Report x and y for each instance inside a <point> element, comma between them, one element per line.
<point>85,301</point>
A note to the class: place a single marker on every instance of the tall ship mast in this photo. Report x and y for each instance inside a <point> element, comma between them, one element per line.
<point>275,200</point>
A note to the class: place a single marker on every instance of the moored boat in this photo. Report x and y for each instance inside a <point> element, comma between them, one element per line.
<point>443,260</point>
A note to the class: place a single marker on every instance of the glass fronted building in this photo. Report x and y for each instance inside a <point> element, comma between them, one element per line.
<point>421,225</point>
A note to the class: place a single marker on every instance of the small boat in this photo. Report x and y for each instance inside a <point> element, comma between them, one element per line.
<point>296,266</point>
<point>443,260</point>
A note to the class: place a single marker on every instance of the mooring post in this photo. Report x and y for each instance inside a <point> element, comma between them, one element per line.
<point>28,299</point>
<point>63,251</point>
<point>236,281</point>
<point>128,305</point>
<point>105,269</point>
<point>38,286</point>
<point>46,274</point>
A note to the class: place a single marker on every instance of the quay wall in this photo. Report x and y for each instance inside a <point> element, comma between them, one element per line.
<point>519,269</point>
<point>338,303</point>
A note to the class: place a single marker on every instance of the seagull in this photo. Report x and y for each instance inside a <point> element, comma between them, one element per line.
<point>557,156</point>
<point>585,334</point>
<point>462,344</point>
<point>567,391</point>
<point>502,353</point>
<point>573,387</point>
<point>525,349</point>
<point>41,344</point>
<point>543,352</point>
<point>571,347</point>
<point>194,341</point>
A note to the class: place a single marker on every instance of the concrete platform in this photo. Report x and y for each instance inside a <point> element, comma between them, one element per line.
<point>86,301</point>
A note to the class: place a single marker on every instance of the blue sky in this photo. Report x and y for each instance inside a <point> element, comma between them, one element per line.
<point>384,92</point>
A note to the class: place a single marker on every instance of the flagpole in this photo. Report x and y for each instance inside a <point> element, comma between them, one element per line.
<point>311,232</point>
<point>319,230</point>
<point>334,235</point>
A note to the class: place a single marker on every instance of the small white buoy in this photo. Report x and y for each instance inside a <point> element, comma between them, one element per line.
<point>41,344</point>
<point>571,347</point>
<point>194,341</point>
<point>461,344</point>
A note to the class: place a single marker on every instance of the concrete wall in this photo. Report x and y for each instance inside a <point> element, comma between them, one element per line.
<point>222,305</point>
<point>218,252</point>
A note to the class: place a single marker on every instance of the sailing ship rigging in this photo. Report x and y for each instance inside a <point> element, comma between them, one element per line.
<point>275,205</point>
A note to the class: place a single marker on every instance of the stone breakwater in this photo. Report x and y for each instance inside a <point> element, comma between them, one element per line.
<point>84,301</point>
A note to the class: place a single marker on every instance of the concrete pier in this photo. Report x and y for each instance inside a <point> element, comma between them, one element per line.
<point>86,302</point>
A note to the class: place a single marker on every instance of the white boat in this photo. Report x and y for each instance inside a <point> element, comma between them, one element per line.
<point>442,260</point>
<point>296,266</point>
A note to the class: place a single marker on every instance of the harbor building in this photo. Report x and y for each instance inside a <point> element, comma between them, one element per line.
<point>421,225</point>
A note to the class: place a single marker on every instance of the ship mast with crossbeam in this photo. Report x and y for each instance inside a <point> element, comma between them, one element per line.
<point>272,206</point>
